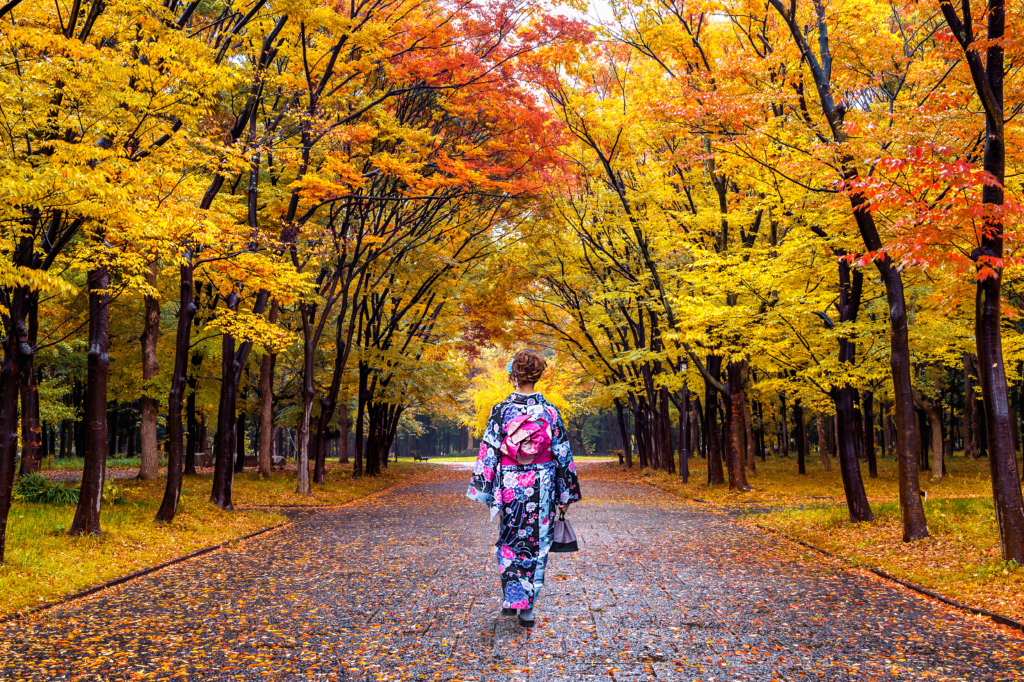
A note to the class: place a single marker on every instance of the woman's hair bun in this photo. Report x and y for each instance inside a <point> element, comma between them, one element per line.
<point>528,366</point>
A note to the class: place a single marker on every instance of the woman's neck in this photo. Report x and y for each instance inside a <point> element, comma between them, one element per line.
<point>526,389</point>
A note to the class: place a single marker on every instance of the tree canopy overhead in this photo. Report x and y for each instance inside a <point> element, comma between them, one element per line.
<point>718,218</point>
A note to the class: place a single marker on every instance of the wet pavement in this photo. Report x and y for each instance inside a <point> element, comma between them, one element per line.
<point>401,585</point>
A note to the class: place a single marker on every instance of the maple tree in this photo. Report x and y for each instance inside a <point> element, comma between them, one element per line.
<point>720,218</point>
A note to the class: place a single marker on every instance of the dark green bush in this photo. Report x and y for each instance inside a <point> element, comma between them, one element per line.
<point>38,488</point>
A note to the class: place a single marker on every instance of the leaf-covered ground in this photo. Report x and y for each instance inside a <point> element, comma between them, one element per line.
<point>43,563</point>
<point>960,560</point>
<point>400,585</point>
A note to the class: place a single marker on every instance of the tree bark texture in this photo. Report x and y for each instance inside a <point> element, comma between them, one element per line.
<point>712,435</point>
<point>853,484</point>
<point>17,353</point>
<point>31,427</point>
<point>735,426</point>
<point>267,404</point>
<point>867,400</point>
<point>800,431</point>
<point>149,457</point>
<point>87,514</point>
<point>224,447</point>
<point>175,436</point>
<point>823,422</point>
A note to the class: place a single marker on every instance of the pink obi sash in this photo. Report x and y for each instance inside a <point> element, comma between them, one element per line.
<point>527,441</point>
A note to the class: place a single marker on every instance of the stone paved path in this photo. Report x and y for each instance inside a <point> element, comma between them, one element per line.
<point>400,586</point>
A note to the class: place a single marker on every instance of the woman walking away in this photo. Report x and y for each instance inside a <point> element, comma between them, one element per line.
<point>524,470</point>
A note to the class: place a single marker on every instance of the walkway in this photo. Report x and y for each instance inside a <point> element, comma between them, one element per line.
<point>400,586</point>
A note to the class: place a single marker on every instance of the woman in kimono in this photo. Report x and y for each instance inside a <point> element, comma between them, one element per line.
<point>524,472</point>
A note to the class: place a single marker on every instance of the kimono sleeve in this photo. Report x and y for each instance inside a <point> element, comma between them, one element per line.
<point>481,487</point>
<point>567,483</point>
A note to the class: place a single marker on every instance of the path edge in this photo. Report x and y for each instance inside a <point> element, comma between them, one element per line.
<point>920,589</point>
<point>74,596</point>
<point>142,572</point>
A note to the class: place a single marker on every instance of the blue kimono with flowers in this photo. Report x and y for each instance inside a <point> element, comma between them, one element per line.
<point>526,495</point>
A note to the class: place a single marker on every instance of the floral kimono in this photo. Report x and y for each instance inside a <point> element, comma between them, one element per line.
<point>524,470</point>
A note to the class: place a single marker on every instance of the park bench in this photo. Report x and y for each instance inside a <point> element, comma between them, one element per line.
<point>417,457</point>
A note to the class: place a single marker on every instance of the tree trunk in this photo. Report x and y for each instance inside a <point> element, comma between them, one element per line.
<point>266,413</point>
<point>869,433</point>
<point>970,415</point>
<point>342,433</point>
<point>748,425</point>
<point>826,463</point>
<point>853,484</point>
<point>150,458</point>
<point>684,436</point>
<point>302,462</point>
<point>17,353</point>
<point>784,450</point>
<point>668,457</point>
<point>87,514</point>
<point>887,427</point>
<point>715,474</point>
<point>240,428</point>
<point>224,441</point>
<point>736,428</point>
<point>800,431</point>
<point>182,342</point>
<point>627,446</point>
<point>31,431</point>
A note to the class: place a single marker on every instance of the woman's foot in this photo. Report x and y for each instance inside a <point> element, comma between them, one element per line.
<point>526,618</point>
<point>508,612</point>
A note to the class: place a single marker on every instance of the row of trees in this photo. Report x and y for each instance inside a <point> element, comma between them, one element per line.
<point>199,194</point>
<point>786,207</point>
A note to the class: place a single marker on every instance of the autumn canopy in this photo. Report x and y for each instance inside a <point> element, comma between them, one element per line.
<point>320,229</point>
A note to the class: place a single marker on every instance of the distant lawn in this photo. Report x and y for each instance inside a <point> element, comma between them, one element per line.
<point>472,458</point>
<point>44,563</point>
<point>960,560</point>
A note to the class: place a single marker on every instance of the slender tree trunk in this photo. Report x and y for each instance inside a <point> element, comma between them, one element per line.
<point>748,424</point>
<point>302,462</point>
<point>224,445</point>
<point>240,429</point>
<point>800,432</point>
<point>182,342</point>
<point>31,430</point>
<point>150,458</point>
<point>17,353</point>
<point>684,436</point>
<point>853,484</point>
<point>342,433</point>
<point>715,474</point>
<point>887,428</point>
<point>869,433</point>
<point>192,439</point>
<point>627,446</point>
<point>970,414</point>
<point>87,514</point>
<point>784,450</point>
<point>735,426</point>
<point>826,463</point>
<point>668,457</point>
<point>267,409</point>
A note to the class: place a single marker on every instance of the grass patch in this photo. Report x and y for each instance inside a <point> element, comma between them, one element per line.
<point>778,483</point>
<point>77,463</point>
<point>960,560</point>
<point>44,563</point>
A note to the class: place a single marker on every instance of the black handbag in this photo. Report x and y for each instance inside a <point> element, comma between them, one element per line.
<point>564,536</point>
